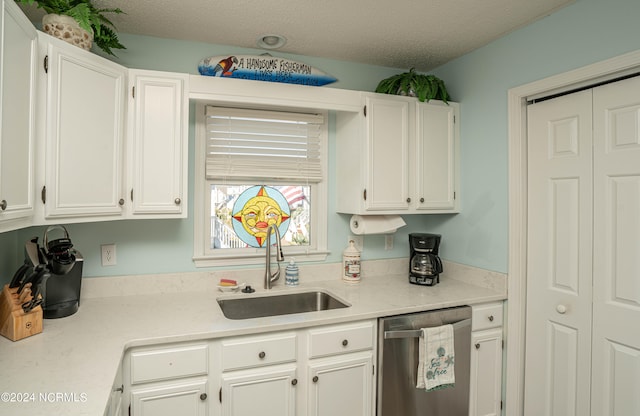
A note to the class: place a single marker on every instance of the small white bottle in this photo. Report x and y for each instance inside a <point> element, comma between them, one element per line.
<point>291,274</point>
<point>351,263</point>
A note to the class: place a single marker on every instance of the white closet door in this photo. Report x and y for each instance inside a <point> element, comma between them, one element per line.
<point>558,335</point>
<point>616,259</point>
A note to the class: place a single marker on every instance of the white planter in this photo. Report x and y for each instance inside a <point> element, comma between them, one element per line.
<point>66,28</point>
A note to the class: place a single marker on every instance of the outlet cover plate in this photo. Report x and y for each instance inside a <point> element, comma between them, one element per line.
<point>108,254</point>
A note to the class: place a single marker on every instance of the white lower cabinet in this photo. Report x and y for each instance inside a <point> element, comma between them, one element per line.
<point>324,370</point>
<point>167,380</point>
<point>114,405</point>
<point>257,374</point>
<point>266,391</point>
<point>341,385</point>
<point>182,398</point>
<point>486,360</point>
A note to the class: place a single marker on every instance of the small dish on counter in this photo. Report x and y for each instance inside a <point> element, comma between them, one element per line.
<point>229,289</point>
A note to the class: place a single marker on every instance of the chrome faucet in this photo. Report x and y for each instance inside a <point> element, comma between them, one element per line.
<point>268,277</point>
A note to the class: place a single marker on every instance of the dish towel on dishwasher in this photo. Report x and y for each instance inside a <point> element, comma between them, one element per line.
<point>436,358</point>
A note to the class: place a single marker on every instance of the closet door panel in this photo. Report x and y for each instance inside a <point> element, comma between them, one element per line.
<point>616,260</point>
<point>558,333</point>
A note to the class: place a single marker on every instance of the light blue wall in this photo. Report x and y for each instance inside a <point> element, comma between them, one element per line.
<point>585,32</point>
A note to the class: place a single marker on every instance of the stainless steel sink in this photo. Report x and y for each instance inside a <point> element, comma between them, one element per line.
<point>281,304</point>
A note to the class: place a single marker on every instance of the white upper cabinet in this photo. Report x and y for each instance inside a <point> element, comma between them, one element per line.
<point>83,133</point>
<point>18,56</point>
<point>398,156</point>
<point>436,157</point>
<point>157,144</point>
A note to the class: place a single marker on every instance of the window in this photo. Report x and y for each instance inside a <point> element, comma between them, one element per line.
<point>254,168</point>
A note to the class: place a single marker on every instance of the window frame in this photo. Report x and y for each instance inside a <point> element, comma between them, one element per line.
<point>204,256</point>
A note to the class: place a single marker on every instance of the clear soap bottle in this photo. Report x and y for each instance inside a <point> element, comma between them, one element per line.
<point>291,274</point>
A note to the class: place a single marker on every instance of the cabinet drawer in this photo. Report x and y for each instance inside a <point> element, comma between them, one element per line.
<point>340,339</point>
<point>168,363</point>
<point>486,316</point>
<point>257,351</point>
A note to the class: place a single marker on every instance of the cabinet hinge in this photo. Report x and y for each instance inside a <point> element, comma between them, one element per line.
<point>365,110</point>
<point>129,410</point>
<point>373,369</point>
<point>220,395</point>
<point>364,194</point>
<point>500,404</point>
<point>46,64</point>
<point>454,194</point>
<point>132,195</point>
<point>133,91</point>
<point>43,194</point>
<point>502,344</point>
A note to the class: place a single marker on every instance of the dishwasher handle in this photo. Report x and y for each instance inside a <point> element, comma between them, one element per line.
<point>417,333</point>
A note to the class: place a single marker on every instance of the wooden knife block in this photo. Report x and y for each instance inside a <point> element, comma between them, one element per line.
<point>14,323</point>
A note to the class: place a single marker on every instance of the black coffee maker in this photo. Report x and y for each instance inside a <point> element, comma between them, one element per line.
<point>424,264</point>
<point>55,274</point>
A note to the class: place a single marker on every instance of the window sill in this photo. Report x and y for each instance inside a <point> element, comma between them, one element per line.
<point>255,259</point>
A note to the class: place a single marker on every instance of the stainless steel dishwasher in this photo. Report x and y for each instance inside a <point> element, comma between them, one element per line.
<point>398,364</point>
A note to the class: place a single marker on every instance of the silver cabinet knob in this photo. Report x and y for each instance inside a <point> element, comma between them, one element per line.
<point>490,318</point>
<point>315,379</point>
<point>477,346</point>
<point>121,201</point>
<point>421,199</point>
<point>262,354</point>
<point>294,381</point>
<point>177,201</point>
<point>561,309</point>
<point>3,204</point>
<point>203,396</point>
<point>345,342</point>
<point>408,199</point>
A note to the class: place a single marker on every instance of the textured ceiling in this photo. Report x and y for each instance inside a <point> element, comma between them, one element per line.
<point>400,34</point>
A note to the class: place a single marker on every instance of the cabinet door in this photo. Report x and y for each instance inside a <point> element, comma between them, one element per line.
<point>84,133</point>
<point>341,385</point>
<point>436,156</point>
<point>184,399</point>
<point>266,391</point>
<point>17,134</point>
<point>486,373</point>
<point>158,134</point>
<point>387,141</point>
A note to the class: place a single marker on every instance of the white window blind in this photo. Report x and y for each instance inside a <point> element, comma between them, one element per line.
<point>248,144</point>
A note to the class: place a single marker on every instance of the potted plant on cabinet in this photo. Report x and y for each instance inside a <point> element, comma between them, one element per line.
<point>79,22</point>
<point>424,87</point>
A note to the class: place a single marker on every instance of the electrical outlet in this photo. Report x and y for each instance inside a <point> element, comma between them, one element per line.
<point>388,241</point>
<point>108,254</point>
<point>358,241</point>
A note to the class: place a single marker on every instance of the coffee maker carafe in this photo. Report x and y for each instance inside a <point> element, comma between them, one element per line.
<point>424,264</point>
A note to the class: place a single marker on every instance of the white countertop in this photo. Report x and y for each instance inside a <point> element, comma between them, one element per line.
<point>69,368</point>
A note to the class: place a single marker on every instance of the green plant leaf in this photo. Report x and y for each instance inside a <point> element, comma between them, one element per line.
<point>426,87</point>
<point>89,17</point>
